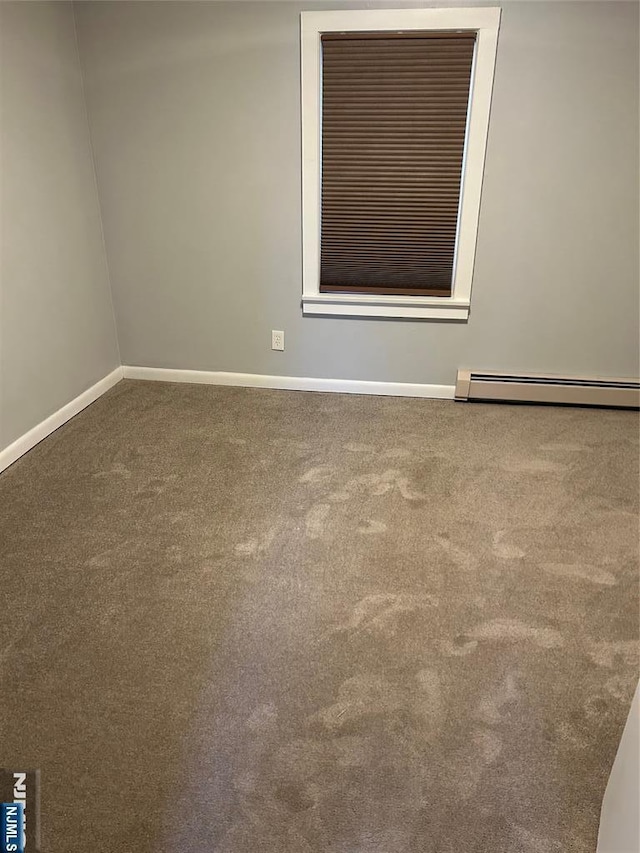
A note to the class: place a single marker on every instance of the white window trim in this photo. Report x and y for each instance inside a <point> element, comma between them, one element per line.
<point>486,22</point>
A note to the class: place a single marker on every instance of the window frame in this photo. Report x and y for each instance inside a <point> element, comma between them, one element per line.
<point>485,21</point>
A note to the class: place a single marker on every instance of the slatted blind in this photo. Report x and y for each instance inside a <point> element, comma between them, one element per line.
<point>394,111</point>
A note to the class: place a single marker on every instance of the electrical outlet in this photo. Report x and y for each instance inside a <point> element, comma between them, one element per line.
<point>277,340</point>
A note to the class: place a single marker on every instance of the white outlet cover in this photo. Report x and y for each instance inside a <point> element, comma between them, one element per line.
<point>277,340</point>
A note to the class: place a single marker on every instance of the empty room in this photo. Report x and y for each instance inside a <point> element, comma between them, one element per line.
<point>319,434</point>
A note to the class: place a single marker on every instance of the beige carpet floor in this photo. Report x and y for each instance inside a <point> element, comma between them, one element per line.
<point>252,621</point>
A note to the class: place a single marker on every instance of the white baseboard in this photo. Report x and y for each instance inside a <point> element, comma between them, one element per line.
<point>21,445</point>
<point>215,377</point>
<point>291,383</point>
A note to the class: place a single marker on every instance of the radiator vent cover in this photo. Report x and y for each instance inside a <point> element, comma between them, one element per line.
<point>558,390</point>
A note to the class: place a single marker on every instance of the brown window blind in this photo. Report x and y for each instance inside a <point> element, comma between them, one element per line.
<point>394,112</point>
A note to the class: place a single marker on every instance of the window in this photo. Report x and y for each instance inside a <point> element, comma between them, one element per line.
<point>395,109</point>
<point>394,116</point>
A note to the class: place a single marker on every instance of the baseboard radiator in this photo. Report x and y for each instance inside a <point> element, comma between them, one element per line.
<point>557,390</point>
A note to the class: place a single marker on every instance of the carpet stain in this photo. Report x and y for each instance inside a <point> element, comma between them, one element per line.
<point>531,842</point>
<point>320,474</point>
<point>174,554</point>
<point>491,708</point>
<point>459,647</point>
<point>503,550</point>
<point>118,469</point>
<point>371,484</point>
<point>255,547</point>
<point>533,466</point>
<point>563,447</point>
<point>372,527</point>
<point>403,484</point>
<point>315,520</point>
<point>377,485</point>
<point>368,694</point>
<point>513,630</point>
<point>618,686</point>
<point>263,716</point>
<point>352,750</point>
<point>380,610</point>
<point>247,548</point>
<point>302,758</point>
<point>460,556</point>
<point>570,735</point>
<point>372,695</point>
<point>429,704</point>
<point>613,654</point>
<point>397,453</point>
<point>469,764</point>
<point>581,571</point>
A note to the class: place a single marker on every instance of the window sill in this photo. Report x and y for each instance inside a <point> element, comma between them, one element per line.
<point>391,307</point>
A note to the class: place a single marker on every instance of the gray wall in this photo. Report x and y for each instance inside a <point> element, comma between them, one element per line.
<point>57,331</point>
<point>195,118</point>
